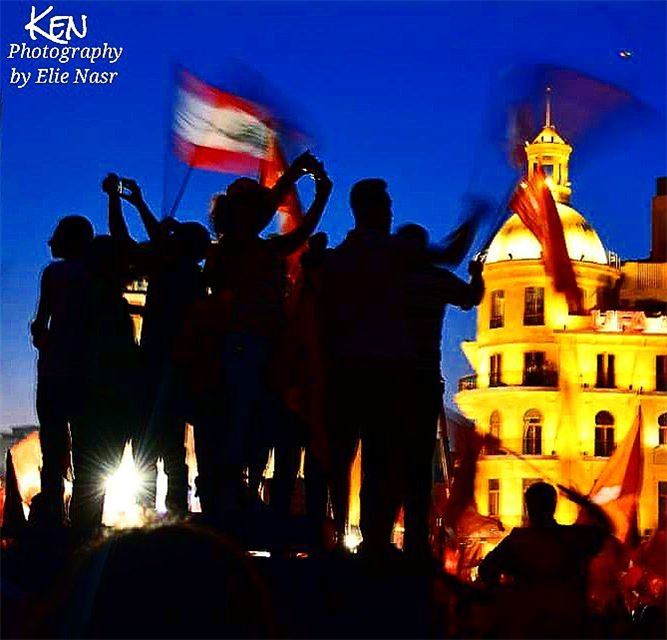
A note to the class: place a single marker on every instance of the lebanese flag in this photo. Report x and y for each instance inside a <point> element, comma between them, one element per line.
<point>533,202</point>
<point>219,131</point>
<point>617,489</point>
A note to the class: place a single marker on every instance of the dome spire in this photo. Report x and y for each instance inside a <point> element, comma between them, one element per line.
<point>547,118</point>
<point>551,152</point>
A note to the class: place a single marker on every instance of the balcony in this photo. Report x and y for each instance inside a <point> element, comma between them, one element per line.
<point>519,446</point>
<point>546,376</point>
<point>468,382</point>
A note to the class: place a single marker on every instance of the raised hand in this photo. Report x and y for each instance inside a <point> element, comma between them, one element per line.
<point>305,163</point>
<point>475,268</point>
<point>110,184</point>
<point>572,494</point>
<point>134,196</point>
<point>323,182</point>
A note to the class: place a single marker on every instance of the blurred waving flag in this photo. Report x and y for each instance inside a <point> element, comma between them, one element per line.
<point>617,488</point>
<point>533,202</point>
<point>590,112</point>
<point>218,131</point>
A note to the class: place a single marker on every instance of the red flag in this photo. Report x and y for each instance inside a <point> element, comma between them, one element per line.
<point>271,168</point>
<point>617,489</point>
<point>218,131</point>
<point>534,204</point>
<point>291,213</point>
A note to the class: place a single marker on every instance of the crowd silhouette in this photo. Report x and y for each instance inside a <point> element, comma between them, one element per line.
<point>254,359</point>
<point>345,353</point>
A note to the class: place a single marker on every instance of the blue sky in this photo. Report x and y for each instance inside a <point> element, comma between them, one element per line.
<point>394,90</point>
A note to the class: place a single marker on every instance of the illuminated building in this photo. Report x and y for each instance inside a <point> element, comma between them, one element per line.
<point>562,390</point>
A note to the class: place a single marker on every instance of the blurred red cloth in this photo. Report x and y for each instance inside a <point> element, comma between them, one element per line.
<point>533,202</point>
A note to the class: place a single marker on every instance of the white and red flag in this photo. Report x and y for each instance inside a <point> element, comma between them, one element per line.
<point>219,131</point>
<point>617,488</point>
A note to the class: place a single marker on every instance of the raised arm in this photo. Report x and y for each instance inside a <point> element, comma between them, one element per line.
<point>136,198</point>
<point>476,284</point>
<point>594,513</point>
<point>450,289</point>
<point>455,245</point>
<point>288,243</point>
<point>117,225</point>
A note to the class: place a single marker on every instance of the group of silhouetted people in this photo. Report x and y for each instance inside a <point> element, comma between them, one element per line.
<point>275,342</point>
<point>255,353</point>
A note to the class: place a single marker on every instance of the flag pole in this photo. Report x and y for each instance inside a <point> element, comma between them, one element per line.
<point>181,191</point>
<point>519,456</point>
<point>445,450</point>
<point>500,221</point>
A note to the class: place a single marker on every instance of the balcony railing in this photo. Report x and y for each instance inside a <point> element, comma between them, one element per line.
<point>540,377</point>
<point>543,377</point>
<point>468,382</point>
<point>539,448</point>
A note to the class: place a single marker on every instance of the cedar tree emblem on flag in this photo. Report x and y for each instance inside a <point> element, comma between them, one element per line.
<point>218,131</point>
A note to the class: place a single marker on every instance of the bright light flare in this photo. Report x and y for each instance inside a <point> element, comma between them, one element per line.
<point>353,538</point>
<point>123,488</point>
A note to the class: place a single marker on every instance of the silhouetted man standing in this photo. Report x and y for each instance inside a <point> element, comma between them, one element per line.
<point>429,290</point>
<point>370,353</point>
<point>548,565</point>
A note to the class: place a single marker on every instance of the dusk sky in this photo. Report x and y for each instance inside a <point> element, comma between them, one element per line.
<point>397,90</point>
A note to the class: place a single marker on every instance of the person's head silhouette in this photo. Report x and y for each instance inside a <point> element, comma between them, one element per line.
<point>244,210</point>
<point>72,237</point>
<point>540,503</point>
<point>414,240</point>
<point>371,205</point>
<point>193,239</point>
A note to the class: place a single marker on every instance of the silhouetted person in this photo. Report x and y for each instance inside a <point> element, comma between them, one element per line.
<point>57,333</point>
<point>111,394</point>
<point>547,564</point>
<point>371,353</point>
<point>248,272</point>
<point>429,290</point>
<point>170,262</point>
<point>300,372</point>
<point>174,581</point>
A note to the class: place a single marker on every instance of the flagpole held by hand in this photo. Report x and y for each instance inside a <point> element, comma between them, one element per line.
<point>181,192</point>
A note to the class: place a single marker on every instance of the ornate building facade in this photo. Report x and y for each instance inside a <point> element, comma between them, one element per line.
<point>560,391</point>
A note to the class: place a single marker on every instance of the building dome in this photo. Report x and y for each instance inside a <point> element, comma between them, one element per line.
<point>515,242</point>
<point>549,135</point>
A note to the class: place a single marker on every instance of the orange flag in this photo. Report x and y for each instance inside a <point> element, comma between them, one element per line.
<point>290,211</point>
<point>533,203</point>
<point>617,489</point>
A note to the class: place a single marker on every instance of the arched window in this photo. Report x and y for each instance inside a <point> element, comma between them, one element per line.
<point>494,424</point>
<point>604,434</point>
<point>532,433</point>
<point>494,430</point>
<point>662,428</point>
